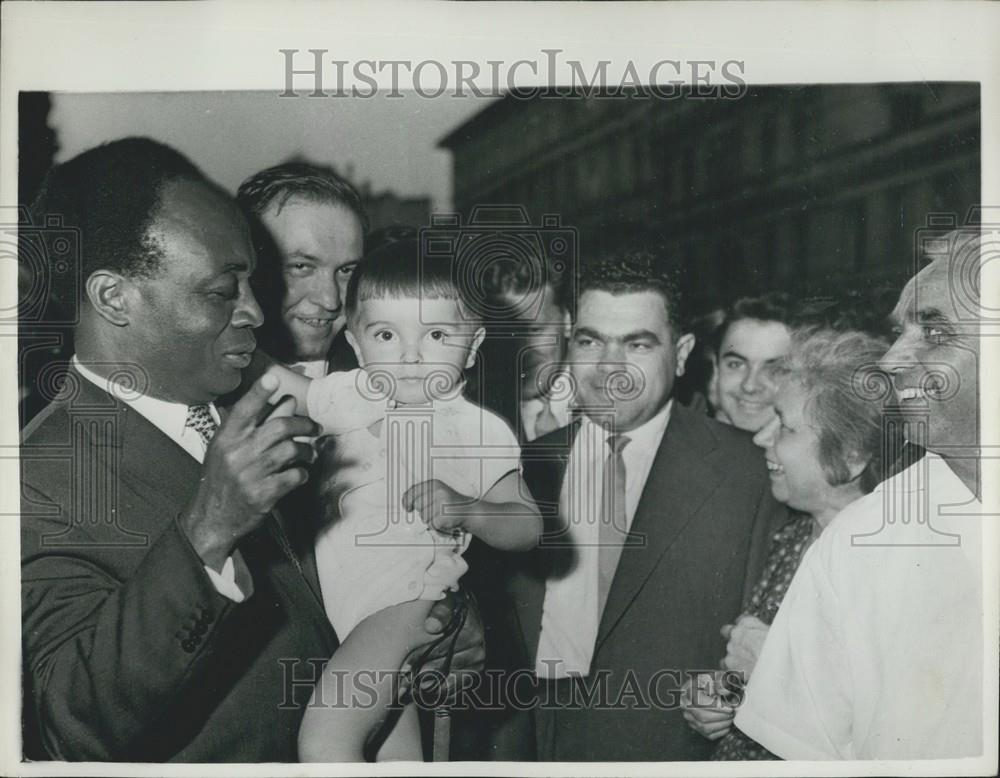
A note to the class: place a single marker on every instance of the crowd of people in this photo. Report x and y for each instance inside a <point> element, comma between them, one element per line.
<point>314,485</point>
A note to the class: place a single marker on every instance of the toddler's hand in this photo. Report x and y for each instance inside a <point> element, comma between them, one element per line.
<point>431,499</point>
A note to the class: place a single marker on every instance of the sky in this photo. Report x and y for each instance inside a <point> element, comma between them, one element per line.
<point>391,143</point>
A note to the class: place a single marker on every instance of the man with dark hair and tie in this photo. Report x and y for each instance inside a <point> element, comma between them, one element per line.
<point>657,522</point>
<point>166,616</point>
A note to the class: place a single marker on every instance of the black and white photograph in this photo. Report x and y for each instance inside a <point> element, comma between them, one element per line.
<point>656,375</point>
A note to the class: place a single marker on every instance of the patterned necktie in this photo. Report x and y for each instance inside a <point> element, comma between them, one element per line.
<point>612,530</point>
<point>199,418</point>
<point>545,421</point>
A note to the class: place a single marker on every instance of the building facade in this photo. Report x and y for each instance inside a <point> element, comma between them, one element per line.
<point>814,189</point>
<point>388,209</point>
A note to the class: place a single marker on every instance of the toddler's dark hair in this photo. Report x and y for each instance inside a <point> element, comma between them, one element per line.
<point>398,270</point>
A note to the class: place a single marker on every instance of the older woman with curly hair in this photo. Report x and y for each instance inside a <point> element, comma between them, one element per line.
<point>824,450</point>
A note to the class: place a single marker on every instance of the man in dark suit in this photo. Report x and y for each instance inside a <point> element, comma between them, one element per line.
<point>166,613</point>
<point>658,520</point>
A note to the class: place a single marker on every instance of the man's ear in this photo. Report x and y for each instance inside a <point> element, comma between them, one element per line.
<point>684,345</point>
<point>712,390</point>
<point>354,345</point>
<point>109,294</point>
<point>856,465</point>
<point>477,341</point>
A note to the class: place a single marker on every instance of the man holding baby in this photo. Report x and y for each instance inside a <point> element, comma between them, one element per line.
<point>166,616</point>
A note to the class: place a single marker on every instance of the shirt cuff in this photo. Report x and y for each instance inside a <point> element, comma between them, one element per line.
<point>225,582</point>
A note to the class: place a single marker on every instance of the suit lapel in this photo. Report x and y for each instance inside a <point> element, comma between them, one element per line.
<point>142,451</point>
<point>160,468</point>
<point>679,482</point>
<point>158,463</point>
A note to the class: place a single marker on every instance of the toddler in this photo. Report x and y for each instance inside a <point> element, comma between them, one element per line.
<point>416,469</point>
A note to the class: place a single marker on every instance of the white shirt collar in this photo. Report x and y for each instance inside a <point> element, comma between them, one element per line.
<point>169,417</point>
<point>312,368</point>
<point>646,436</point>
<point>947,486</point>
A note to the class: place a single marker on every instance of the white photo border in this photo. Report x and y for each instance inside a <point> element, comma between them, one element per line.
<point>134,46</point>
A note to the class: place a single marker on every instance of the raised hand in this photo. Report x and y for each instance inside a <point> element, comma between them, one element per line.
<point>251,463</point>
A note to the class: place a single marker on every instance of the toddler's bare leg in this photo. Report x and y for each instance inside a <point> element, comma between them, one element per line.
<point>403,742</point>
<point>350,702</point>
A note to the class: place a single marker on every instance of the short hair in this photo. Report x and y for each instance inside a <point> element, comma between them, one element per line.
<point>771,307</point>
<point>396,270</point>
<point>954,245</point>
<point>700,366</point>
<point>521,275</point>
<point>633,271</point>
<point>111,194</point>
<point>961,250</point>
<point>391,233</point>
<point>839,372</point>
<point>317,183</point>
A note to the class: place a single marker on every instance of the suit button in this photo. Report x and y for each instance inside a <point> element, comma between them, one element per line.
<point>189,646</point>
<point>207,614</point>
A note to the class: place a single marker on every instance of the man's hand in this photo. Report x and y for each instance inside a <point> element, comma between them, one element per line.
<point>703,709</point>
<point>470,648</point>
<point>251,463</point>
<point>746,639</point>
<point>430,499</point>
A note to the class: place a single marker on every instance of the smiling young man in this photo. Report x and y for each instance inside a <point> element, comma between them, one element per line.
<point>658,519</point>
<point>308,225</point>
<point>754,336</point>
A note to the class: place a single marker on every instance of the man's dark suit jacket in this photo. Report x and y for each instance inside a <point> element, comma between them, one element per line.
<point>706,514</point>
<point>129,652</point>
